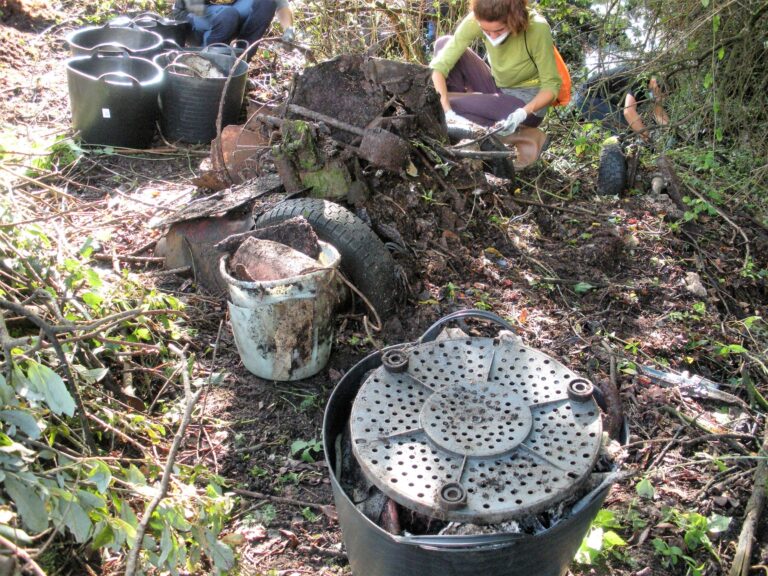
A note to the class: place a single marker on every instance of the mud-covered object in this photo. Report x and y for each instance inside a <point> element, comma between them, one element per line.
<point>263,260</point>
<point>359,90</point>
<point>283,328</point>
<point>295,232</point>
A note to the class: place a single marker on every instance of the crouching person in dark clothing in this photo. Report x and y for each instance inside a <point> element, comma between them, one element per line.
<point>221,21</point>
<point>621,101</point>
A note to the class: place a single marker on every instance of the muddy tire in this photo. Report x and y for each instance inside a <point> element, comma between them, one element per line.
<point>365,261</point>
<point>612,173</point>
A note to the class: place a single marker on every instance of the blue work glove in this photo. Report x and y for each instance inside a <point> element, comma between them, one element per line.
<point>289,34</point>
<point>511,122</point>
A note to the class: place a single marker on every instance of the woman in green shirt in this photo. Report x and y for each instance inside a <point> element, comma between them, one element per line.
<point>522,80</point>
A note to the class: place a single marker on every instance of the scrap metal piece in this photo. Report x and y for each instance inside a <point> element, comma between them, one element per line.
<point>490,416</point>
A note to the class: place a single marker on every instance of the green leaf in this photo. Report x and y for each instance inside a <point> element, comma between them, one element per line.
<point>645,489</point>
<point>721,53</point>
<point>91,501</point>
<point>92,299</point>
<point>101,476</point>
<point>298,446</point>
<point>705,3</point>
<point>77,521</point>
<point>29,504</point>
<point>717,523</point>
<point>582,287</point>
<point>103,537</point>
<point>53,388</point>
<point>8,394</point>
<point>611,539</point>
<point>134,476</point>
<point>22,420</point>
<point>221,554</point>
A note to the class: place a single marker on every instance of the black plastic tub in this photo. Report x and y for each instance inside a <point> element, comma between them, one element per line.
<point>115,39</point>
<point>174,30</point>
<point>372,551</point>
<point>189,104</point>
<point>114,99</point>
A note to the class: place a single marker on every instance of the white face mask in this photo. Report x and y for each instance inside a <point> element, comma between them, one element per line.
<point>498,40</point>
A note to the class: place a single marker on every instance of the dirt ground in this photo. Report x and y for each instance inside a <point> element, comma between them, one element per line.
<point>594,282</point>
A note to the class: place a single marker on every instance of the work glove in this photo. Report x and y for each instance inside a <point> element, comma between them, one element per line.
<point>511,122</point>
<point>289,34</point>
<point>196,7</point>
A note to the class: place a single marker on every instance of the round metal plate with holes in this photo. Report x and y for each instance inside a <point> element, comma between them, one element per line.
<point>476,430</point>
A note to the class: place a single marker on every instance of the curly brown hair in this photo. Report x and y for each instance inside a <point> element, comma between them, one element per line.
<point>512,12</point>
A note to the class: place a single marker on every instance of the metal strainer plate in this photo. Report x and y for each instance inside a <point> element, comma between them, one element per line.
<point>475,430</point>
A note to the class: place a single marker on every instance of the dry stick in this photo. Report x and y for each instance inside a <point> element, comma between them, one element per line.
<point>574,210</point>
<point>280,499</point>
<point>22,554</point>
<point>71,385</point>
<point>131,563</point>
<point>741,559</point>
<point>59,193</point>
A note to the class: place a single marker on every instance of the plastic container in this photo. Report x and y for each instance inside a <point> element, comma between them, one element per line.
<point>189,104</point>
<point>134,41</point>
<point>284,328</point>
<point>373,551</point>
<point>114,99</point>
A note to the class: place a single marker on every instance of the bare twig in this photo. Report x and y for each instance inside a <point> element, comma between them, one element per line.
<point>29,564</point>
<point>741,560</point>
<point>131,563</point>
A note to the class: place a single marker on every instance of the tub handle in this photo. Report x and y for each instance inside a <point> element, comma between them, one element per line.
<point>221,44</point>
<point>148,16</point>
<point>109,48</point>
<point>133,80</point>
<point>459,543</point>
<point>194,73</point>
<point>432,332</point>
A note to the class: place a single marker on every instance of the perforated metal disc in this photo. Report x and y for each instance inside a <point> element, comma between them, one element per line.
<point>476,430</point>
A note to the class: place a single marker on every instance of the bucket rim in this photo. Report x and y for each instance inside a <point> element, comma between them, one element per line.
<point>69,38</point>
<point>156,79</point>
<point>240,68</point>
<point>335,258</point>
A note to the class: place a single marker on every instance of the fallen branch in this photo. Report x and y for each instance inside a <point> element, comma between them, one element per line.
<point>741,560</point>
<point>30,565</point>
<point>573,210</point>
<point>281,499</point>
<point>131,563</point>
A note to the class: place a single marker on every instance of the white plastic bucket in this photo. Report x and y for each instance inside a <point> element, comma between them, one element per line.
<point>284,328</point>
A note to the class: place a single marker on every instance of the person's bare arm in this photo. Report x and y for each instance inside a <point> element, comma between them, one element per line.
<point>632,117</point>
<point>285,17</point>
<point>543,99</point>
<point>441,86</point>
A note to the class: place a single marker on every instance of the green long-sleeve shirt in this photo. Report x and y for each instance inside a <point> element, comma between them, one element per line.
<point>511,65</point>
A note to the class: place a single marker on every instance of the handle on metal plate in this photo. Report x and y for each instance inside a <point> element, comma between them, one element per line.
<point>133,80</point>
<point>432,332</point>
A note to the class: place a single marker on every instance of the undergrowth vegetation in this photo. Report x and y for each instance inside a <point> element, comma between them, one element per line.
<point>83,471</point>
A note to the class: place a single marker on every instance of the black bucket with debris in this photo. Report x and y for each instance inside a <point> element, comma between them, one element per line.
<point>190,100</point>
<point>464,456</point>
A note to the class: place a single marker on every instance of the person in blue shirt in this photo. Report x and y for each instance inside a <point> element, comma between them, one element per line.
<point>222,21</point>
